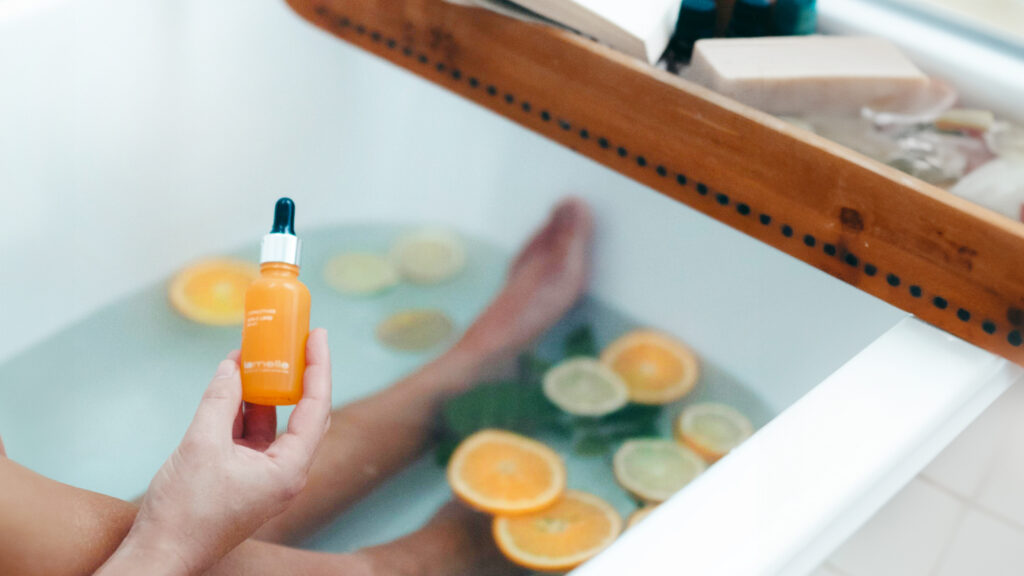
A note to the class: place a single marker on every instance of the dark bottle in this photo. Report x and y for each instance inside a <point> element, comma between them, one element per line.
<point>751,18</point>
<point>696,21</point>
<point>795,17</point>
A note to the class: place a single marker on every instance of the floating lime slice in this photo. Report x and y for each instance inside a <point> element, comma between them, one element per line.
<point>712,429</point>
<point>415,330</point>
<point>654,469</point>
<point>360,273</point>
<point>585,387</point>
<point>429,256</point>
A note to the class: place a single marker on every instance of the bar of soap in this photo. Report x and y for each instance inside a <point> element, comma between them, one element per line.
<point>805,74</point>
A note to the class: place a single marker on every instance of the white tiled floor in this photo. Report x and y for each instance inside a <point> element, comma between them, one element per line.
<point>962,516</point>
<point>901,539</point>
<point>826,570</point>
<point>984,545</point>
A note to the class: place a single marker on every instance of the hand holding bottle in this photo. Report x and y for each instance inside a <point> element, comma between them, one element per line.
<point>229,475</point>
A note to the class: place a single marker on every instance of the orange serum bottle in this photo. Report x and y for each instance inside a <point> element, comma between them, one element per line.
<point>276,318</point>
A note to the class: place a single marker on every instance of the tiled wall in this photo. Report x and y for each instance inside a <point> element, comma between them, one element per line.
<point>962,516</point>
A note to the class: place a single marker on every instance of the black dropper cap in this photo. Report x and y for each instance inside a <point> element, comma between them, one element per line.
<point>284,217</point>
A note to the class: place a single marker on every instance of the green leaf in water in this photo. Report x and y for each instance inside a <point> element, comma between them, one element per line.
<point>531,368</point>
<point>596,436</point>
<point>507,405</point>
<point>520,406</point>
<point>581,342</point>
<point>632,430</point>
<point>444,450</point>
<point>591,444</point>
<point>634,413</point>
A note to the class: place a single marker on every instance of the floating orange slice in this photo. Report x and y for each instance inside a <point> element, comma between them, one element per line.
<point>657,368</point>
<point>504,473</point>
<point>213,291</point>
<point>559,538</point>
<point>639,514</point>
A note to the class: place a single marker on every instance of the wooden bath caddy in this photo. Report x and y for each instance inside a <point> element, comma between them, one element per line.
<point>947,261</point>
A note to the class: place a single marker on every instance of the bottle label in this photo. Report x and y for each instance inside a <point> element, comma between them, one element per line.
<point>278,366</point>
<point>255,317</point>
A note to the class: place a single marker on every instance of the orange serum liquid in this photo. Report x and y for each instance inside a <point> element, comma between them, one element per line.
<point>276,321</point>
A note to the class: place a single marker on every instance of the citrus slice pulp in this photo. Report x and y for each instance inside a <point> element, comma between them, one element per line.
<point>360,273</point>
<point>711,429</point>
<point>639,514</point>
<point>653,469</point>
<point>501,472</point>
<point>656,368</point>
<point>559,538</point>
<point>213,291</point>
<point>429,256</point>
<point>415,330</point>
<point>585,387</point>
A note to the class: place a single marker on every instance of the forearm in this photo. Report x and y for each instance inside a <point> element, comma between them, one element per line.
<point>252,558</point>
<point>52,529</point>
<point>248,558</point>
<point>457,541</point>
<point>150,558</point>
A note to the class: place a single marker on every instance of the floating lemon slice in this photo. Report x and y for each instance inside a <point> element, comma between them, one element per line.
<point>639,514</point>
<point>429,256</point>
<point>504,473</point>
<point>415,330</point>
<point>657,368</point>
<point>654,469</point>
<point>213,291</point>
<point>360,273</point>
<point>585,387</point>
<point>559,538</point>
<point>711,429</point>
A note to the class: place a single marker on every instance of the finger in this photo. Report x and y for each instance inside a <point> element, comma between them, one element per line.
<point>238,426</point>
<point>308,421</point>
<point>2,451</point>
<point>260,424</point>
<point>217,410</point>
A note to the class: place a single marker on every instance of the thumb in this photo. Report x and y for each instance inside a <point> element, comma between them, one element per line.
<point>219,405</point>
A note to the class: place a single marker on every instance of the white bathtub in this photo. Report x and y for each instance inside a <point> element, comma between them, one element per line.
<point>138,135</point>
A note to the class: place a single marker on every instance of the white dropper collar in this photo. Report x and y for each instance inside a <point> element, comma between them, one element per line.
<point>281,245</point>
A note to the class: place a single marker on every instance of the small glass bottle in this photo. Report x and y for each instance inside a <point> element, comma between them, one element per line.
<point>751,18</point>
<point>696,21</point>
<point>795,17</point>
<point>276,323</point>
